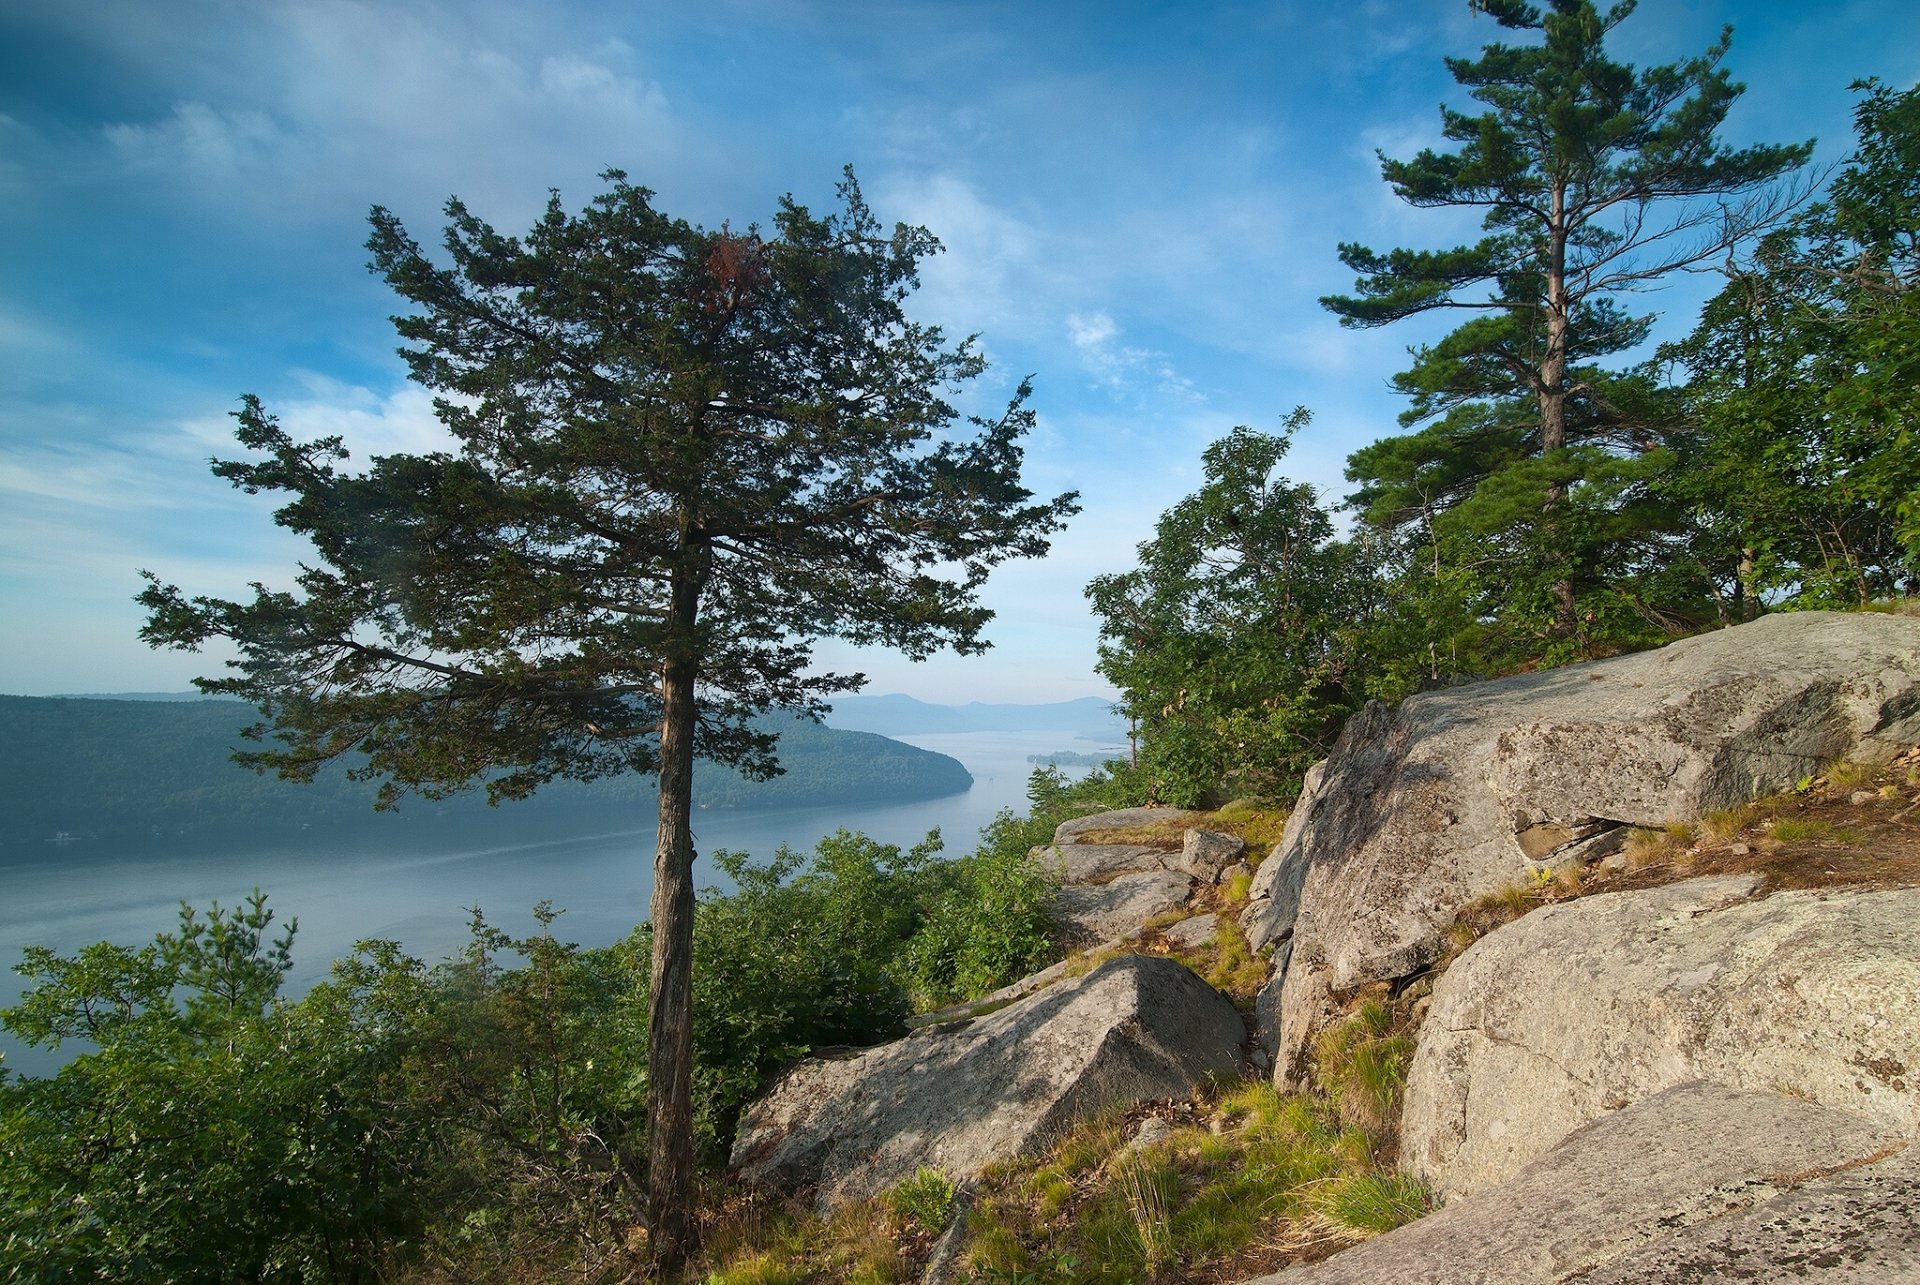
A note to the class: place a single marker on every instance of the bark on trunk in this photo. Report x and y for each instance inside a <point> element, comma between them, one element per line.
<point>670,1018</point>
<point>1552,392</point>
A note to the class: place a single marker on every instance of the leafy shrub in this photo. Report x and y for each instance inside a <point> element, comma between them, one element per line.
<point>989,925</point>
<point>924,1199</point>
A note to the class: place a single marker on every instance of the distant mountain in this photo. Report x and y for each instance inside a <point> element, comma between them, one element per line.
<point>1090,716</point>
<point>159,772</point>
<point>136,696</point>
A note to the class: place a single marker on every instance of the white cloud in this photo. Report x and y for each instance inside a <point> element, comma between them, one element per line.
<point>1125,368</point>
<point>200,142</point>
<point>1090,331</point>
<point>970,286</point>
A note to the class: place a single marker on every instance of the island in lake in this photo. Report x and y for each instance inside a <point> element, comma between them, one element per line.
<point>77,770</point>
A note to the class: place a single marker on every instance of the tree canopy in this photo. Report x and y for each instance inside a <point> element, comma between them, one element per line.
<point>683,455</point>
<point>1800,465</point>
<point>1222,640</point>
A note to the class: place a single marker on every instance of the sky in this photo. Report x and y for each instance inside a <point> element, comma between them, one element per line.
<point>1139,205</point>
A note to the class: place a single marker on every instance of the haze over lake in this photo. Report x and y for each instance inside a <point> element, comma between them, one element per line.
<point>416,891</point>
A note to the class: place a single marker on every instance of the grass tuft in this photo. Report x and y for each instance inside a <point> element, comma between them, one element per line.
<point>1358,1206</point>
<point>925,1199</point>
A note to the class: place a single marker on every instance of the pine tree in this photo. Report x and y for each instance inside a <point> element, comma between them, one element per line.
<point>683,456</point>
<point>1596,180</point>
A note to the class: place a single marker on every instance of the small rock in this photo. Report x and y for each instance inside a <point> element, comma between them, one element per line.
<point>1739,849</point>
<point>1238,870</point>
<point>1096,912</point>
<point>1152,1129</point>
<point>1205,853</point>
<point>1859,797</point>
<point>1191,934</point>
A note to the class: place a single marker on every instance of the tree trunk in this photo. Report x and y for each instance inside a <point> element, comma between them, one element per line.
<point>670,1018</point>
<point>1552,391</point>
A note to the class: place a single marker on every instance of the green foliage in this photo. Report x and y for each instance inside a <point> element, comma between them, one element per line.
<point>989,925</point>
<point>1226,641</point>
<point>1361,1065</point>
<point>926,1199</point>
<point>204,1093</point>
<point>486,1115</point>
<point>1357,1206</point>
<point>1800,461</point>
<point>1520,515</point>
<point>802,955</point>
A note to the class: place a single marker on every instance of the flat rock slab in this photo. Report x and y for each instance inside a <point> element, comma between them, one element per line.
<point>1861,1227</point>
<point>1191,934</point>
<point>1579,1008</point>
<point>1073,863</point>
<point>1095,912</point>
<point>1454,794</point>
<point>1122,819</point>
<point>1629,1183</point>
<point>957,1098</point>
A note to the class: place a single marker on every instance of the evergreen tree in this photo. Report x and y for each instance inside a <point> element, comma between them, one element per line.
<point>1596,180</point>
<point>683,455</point>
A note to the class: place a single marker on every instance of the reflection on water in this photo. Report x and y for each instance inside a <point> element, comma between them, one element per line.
<point>417,894</point>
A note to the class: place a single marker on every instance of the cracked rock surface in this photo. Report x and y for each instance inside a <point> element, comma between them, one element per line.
<point>1580,1008</point>
<point>958,1097</point>
<point>1673,1179</point>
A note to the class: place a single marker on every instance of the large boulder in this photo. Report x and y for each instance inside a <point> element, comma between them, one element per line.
<point>957,1098</point>
<point>1580,1008</point>
<point>1454,794</point>
<point>1642,1185</point>
<point>1076,863</point>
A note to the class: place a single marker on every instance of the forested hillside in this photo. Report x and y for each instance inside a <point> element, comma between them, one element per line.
<point>158,772</point>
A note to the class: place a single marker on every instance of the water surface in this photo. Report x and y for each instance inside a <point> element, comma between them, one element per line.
<point>416,890</point>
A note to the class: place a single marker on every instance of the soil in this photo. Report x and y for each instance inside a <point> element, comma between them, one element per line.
<point>1814,837</point>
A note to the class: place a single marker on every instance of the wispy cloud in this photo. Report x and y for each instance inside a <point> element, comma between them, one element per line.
<point>1125,369</point>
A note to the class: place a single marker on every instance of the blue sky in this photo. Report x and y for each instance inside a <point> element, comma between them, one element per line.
<point>1140,204</point>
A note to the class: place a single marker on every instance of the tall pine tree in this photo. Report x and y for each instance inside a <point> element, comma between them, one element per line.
<point>1596,180</point>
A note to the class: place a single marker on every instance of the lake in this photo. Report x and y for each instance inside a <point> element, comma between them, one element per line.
<point>416,893</point>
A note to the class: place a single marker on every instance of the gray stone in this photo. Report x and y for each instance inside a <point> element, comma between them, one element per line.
<point>1071,863</point>
<point>1579,1008</point>
<point>1192,934</point>
<point>1152,1129</point>
<point>1094,912</point>
<point>1205,853</point>
<point>1623,1185</point>
<point>1861,1227</point>
<point>1122,819</point>
<point>1420,808</point>
<point>958,1098</point>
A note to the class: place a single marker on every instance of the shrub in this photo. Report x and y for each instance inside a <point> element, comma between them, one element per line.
<point>924,1199</point>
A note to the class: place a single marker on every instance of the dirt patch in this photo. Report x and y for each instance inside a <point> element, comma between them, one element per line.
<point>1857,827</point>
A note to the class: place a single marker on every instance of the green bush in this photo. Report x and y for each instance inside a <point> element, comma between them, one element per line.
<point>482,1117</point>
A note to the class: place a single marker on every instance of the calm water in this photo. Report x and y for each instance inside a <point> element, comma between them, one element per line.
<point>417,895</point>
